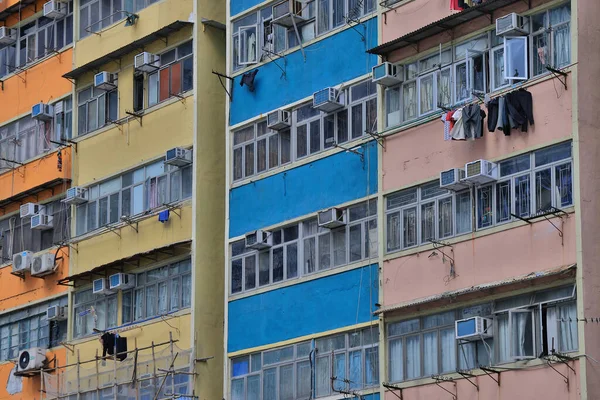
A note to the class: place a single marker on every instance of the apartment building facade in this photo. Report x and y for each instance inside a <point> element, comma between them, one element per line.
<point>127,159</point>
<point>488,279</point>
<point>301,286</point>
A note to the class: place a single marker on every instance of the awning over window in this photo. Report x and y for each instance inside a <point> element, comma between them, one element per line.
<point>137,45</point>
<point>15,8</point>
<point>470,293</point>
<point>103,271</point>
<point>442,25</point>
<point>50,185</point>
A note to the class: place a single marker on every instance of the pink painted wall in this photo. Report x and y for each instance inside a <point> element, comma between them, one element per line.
<point>491,258</point>
<point>529,384</point>
<point>421,153</point>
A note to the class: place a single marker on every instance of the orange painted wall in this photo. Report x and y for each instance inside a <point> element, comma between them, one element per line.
<point>33,174</point>
<point>18,292</point>
<point>43,82</point>
<point>31,386</point>
<point>26,12</point>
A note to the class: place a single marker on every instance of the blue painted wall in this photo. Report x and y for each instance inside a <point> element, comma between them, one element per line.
<point>309,188</point>
<point>329,62</point>
<point>237,6</point>
<point>310,307</point>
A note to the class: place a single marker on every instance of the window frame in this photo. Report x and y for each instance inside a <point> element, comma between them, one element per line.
<point>153,79</point>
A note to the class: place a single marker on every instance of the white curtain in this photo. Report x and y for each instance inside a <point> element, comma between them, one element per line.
<point>463,212</point>
<point>426,87</point>
<point>237,389</point>
<point>392,107</point>
<point>568,327</point>
<point>444,87</point>
<point>286,382</point>
<point>413,357</point>
<point>393,231</point>
<point>270,384</point>
<point>562,46</point>
<point>396,358</point>
<point>409,98</point>
<point>466,355</point>
<point>323,376</point>
<point>448,344</point>
<point>522,334</point>
<point>430,353</point>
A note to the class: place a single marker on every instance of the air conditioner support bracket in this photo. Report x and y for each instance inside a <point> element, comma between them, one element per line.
<point>114,229</point>
<point>180,97</point>
<point>566,378</point>
<point>63,141</point>
<point>468,376</point>
<point>440,379</point>
<point>557,73</point>
<point>547,214</point>
<point>172,207</point>
<point>131,223</point>
<point>21,275</point>
<point>137,116</point>
<point>378,137</point>
<point>490,371</point>
<point>393,389</point>
<point>220,75</point>
<point>353,151</point>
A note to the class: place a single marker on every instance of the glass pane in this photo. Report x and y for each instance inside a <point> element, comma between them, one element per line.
<point>522,194</point>
<point>303,379</point>
<point>249,159</point>
<point>273,151</point>
<point>301,137</point>
<point>396,360</point>
<point>445,217</point>
<point>270,384</point>
<point>237,389</point>
<point>355,242</point>
<point>339,246</point>
<point>250,272</point>
<point>568,327</point>
<point>522,334</point>
<point>427,222</point>
<point>554,153</point>
<point>357,121</point>
<point>515,165</point>
<point>286,382</point>
<point>444,87</point>
<point>278,264</point>
<point>564,185</point>
<point>448,348</point>
<point>430,353</point>
<point>499,68</point>
<point>562,46</point>
<point>236,276</point>
<point>484,207</point>
<point>401,198</point>
<point>329,130</point>
<point>286,143</point>
<point>339,371</point>
<point>162,298</point>
<point>315,136</point>
<point>409,100</point>
<point>263,269</point>
<point>261,151</point>
<point>515,59</point>
<point>413,357</point>
<point>324,251</point>
<point>462,92</point>
<point>543,190</point>
<point>355,372</point>
<point>540,54</point>
<point>503,202</point>
<point>409,227</point>
<point>426,94</point>
<point>291,260</point>
<point>323,376</point>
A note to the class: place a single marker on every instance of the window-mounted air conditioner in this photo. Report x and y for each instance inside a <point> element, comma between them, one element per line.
<point>121,281</point>
<point>512,24</point>
<point>55,9</point>
<point>41,221</point>
<point>387,74</point>
<point>178,157</point>
<point>278,120</point>
<point>105,80</point>
<point>332,218</point>
<point>56,313</point>
<point>22,262</point>
<point>146,62</point>
<point>44,264</point>
<point>452,179</point>
<point>287,13</point>
<point>100,286</point>
<point>474,328</point>
<point>29,209</point>
<point>259,240</point>
<point>7,35</point>
<point>481,172</point>
<point>31,359</point>
<point>42,112</point>
<point>327,100</point>
<point>75,195</point>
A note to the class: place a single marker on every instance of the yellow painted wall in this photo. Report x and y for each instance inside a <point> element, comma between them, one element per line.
<point>107,247</point>
<point>150,20</point>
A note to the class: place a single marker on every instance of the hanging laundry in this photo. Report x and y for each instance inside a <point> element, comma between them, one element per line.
<point>458,131</point>
<point>519,105</point>
<point>492,107</point>
<point>448,124</point>
<point>473,117</point>
<point>454,5</point>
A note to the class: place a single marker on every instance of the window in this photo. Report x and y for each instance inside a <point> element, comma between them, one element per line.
<point>97,108</point>
<point>523,327</point>
<point>255,37</point>
<point>96,15</point>
<point>481,65</point>
<point>257,149</point>
<point>175,76</point>
<point>287,372</point>
<point>36,40</point>
<point>133,193</point>
<point>158,292</point>
<point>418,215</point>
<point>304,248</point>
<point>528,184</point>
<point>63,119</point>
<point>93,311</point>
<point>28,327</point>
<point>16,234</point>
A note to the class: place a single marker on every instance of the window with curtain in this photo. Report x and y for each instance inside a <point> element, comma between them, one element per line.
<point>175,75</point>
<point>524,327</point>
<point>304,248</point>
<point>159,291</point>
<point>143,189</point>
<point>286,373</point>
<point>551,39</point>
<point>97,108</point>
<point>93,312</point>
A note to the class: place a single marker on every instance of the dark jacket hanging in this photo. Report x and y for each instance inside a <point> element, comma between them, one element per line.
<point>492,108</point>
<point>520,108</point>
<point>110,341</point>
<point>473,117</point>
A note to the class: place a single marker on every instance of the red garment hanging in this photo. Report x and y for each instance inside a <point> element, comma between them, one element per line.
<point>454,5</point>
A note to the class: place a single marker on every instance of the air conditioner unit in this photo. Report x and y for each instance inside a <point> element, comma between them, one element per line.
<point>278,120</point>
<point>75,195</point>
<point>259,240</point>
<point>42,265</point>
<point>105,80</point>
<point>55,9</point>
<point>452,179</point>
<point>327,100</point>
<point>7,35</point>
<point>146,62</point>
<point>41,221</point>
<point>474,328</point>
<point>22,262</point>
<point>178,156</point>
<point>31,359</point>
<point>56,313</point>
<point>29,209</point>
<point>332,218</point>
<point>512,24</point>
<point>480,172</point>
<point>100,286</point>
<point>42,112</point>
<point>288,13</point>
<point>121,281</point>
<point>387,74</point>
